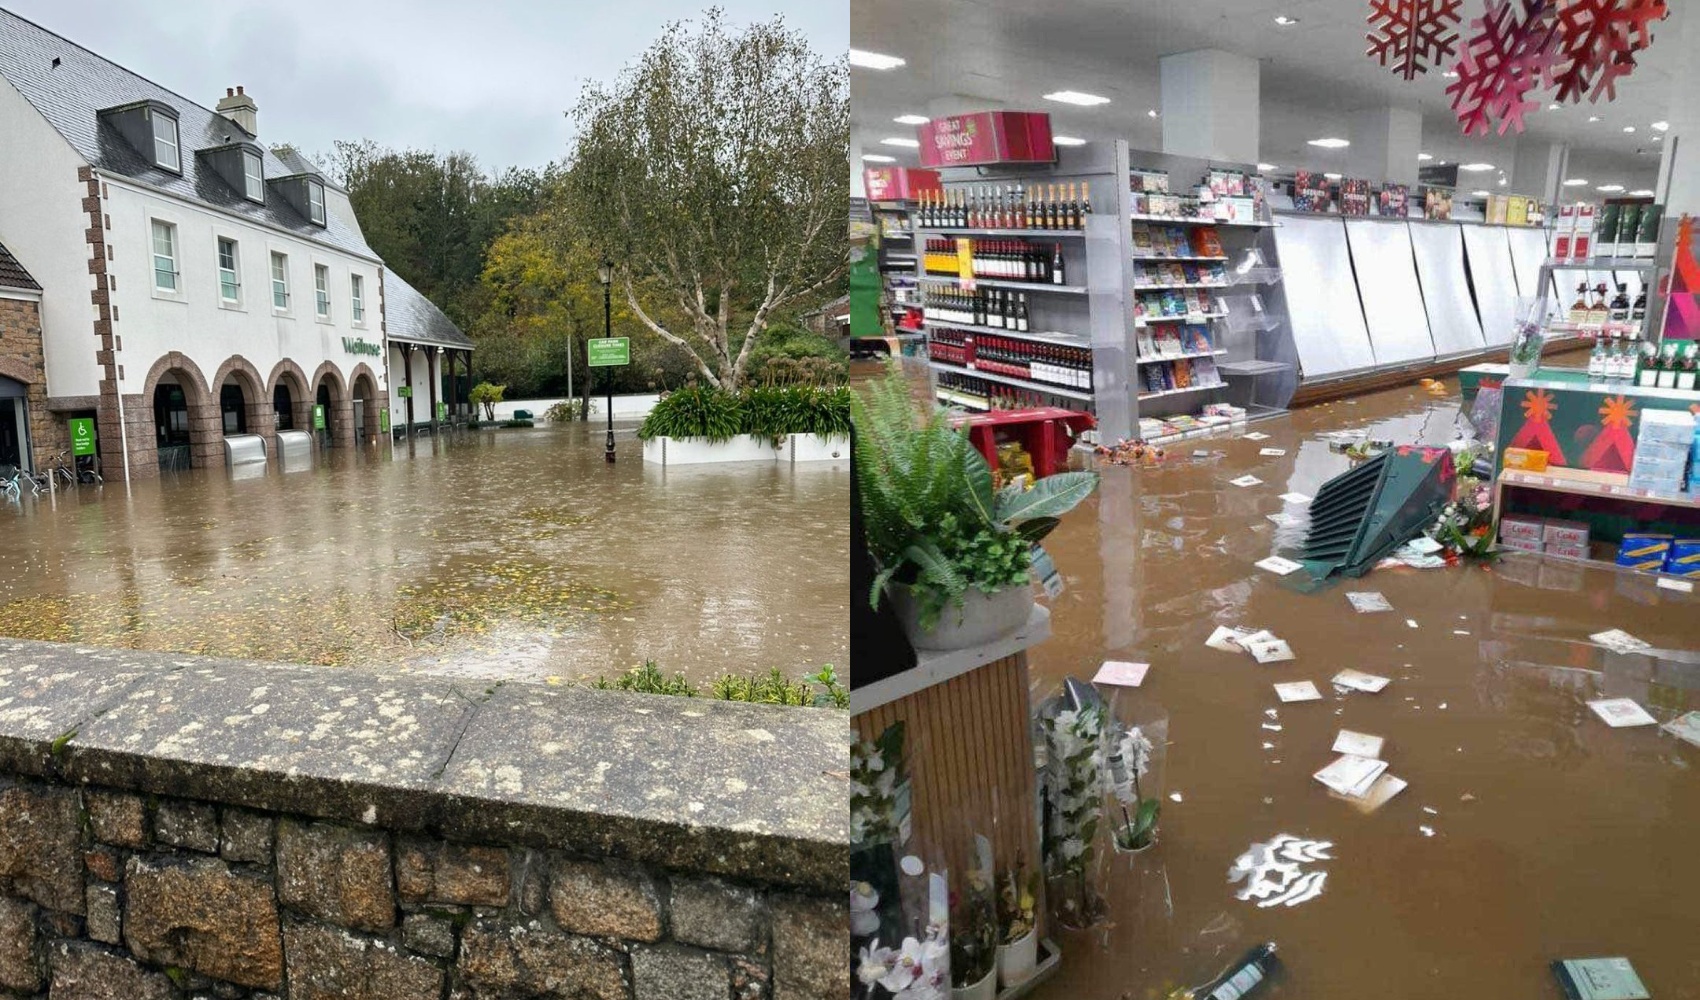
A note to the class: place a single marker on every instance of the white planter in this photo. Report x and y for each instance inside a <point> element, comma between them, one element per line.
<point>700,451</point>
<point>818,448</point>
<point>982,618</point>
<point>1017,960</point>
<point>985,989</point>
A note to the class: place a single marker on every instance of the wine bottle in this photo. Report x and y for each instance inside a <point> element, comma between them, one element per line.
<point>1085,203</point>
<point>1239,979</point>
<point>1073,208</point>
<point>994,314</point>
<point>1018,207</point>
<point>1058,276</point>
<point>1638,311</point>
<point>1052,219</point>
<point>1647,376</point>
<point>1619,312</point>
<point>1597,360</point>
<point>1668,365</point>
<point>1687,374</point>
<point>1021,312</point>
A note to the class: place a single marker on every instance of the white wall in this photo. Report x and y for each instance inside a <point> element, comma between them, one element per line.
<point>421,386</point>
<point>198,323</point>
<point>42,223</point>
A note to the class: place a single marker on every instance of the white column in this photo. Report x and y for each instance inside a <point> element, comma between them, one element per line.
<point>1385,143</point>
<point>1211,105</point>
<point>1538,168</point>
<point>1679,164</point>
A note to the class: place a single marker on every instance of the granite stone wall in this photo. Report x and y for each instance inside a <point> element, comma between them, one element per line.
<point>175,841</point>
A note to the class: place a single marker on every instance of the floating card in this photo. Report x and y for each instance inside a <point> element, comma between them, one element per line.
<point>1282,519</point>
<point>1272,452</point>
<point>1380,790</point>
<point>1619,641</point>
<point>1366,601</point>
<point>1358,744</point>
<point>1295,497</point>
<point>1244,481</point>
<point>1599,979</point>
<point>1298,691</point>
<point>1227,639</point>
<point>1424,545</point>
<point>1351,775</point>
<point>1278,565</point>
<point>1681,586</point>
<point>1257,436</point>
<point>1270,650</point>
<point>1685,727</point>
<point>1360,681</point>
<point>1619,713</point>
<point>1121,673</point>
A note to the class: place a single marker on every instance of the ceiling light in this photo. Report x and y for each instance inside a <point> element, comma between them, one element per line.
<point>1629,128</point>
<point>874,60</point>
<point>1152,113</point>
<point>1330,143</point>
<point>878,158</point>
<point>1503,182</point>
<point>1475,168</point>
<point>899,141</point>
<point>1264,168</point>
<point>1076,97</point>
<point>1661,126</point>
<point>1450,74</point>
<point>1576,182</point>
<point>1643,193</point>
<point>1481,194</point>
<point>1610,188</point>
<point>1067,140</point>
<point>1332,177</point>
<point>1552,107</point>
<point>1443,163</point>
<point>1285,21</point>
<point>911,119</point>
<point>1424,157</point>
<point>1656,138</point>
<point>1593,118</point>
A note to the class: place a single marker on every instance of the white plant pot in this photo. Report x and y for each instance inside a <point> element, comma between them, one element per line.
<point>982,618</point>
<point>701,451</point>
<point>1524,369</point>
<point>985,989</point>
<point>817,448</point>
<point>1018,959</point>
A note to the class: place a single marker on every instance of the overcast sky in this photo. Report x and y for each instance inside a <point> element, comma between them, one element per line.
<point>492,78</point>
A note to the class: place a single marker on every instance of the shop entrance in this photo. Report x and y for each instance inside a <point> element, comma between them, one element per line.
<point>324,399</point>
<point>171,425</point>
<point>364,393</point>
<point>14,427</point>
<point>232,409</point>
<point>284,403</point>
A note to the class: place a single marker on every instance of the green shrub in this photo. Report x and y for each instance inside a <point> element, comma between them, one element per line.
<point>560,413</point>
<point>518,423</point>
<point>695,411</point>
<point>821,690</point>
<point>647,679</point>
<point>768,411</point>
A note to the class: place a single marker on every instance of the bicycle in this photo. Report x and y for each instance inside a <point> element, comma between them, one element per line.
<point>9,483</point>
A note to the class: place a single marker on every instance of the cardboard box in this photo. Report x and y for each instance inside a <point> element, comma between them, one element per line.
<point>1570,533</point>
<point>1567,550</point>
<point>1528,529</point>
<point>1526,459</point>
<point>1644,550</point>
<point>1565,232</point>
<point>1683,559</point>
<point>1521,544</point>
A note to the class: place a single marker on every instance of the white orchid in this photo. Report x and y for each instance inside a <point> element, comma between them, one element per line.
<point>864,903</point>
<point>874,964</point>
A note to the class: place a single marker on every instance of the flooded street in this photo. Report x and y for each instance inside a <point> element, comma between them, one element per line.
<point>514,554</point>
<point>1530,831</point>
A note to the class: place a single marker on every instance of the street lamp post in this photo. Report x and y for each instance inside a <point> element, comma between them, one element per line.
<point>605,273</point>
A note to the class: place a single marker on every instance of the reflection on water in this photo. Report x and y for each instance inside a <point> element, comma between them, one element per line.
<point>1529,830</point>
<point>502,554</point>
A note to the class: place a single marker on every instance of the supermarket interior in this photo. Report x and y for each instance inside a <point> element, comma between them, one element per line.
<point>1277,503</point>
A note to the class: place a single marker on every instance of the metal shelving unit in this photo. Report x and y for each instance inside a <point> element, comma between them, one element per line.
<point>1556,330</point>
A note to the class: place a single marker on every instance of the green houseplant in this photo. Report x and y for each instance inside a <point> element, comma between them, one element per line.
<point>954,552</point>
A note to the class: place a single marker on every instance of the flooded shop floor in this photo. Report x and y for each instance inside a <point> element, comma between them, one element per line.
<point>1529,831</point>
<point>516,554</point>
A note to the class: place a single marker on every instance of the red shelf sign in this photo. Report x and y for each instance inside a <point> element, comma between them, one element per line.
<point>899,183</point>
<point>987,138</point>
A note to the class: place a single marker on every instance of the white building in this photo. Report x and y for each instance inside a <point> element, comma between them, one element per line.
<point>194,283</point>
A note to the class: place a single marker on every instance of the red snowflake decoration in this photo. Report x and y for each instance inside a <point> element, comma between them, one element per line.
<point>1595,44</point>
<point>1412,34</point>
<point>1508,57</point>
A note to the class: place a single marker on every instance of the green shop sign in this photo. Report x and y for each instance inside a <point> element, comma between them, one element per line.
<point>609,352</point>
<point>404,392</point>
<point>318,416</point>
<point>383,421</point>
<point>360,345</point>
<point>82,436</point>
<point>442,412</point>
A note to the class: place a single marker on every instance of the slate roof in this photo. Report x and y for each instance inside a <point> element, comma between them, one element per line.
<point>12,273</point>
<point>411,317</point>
<point>70,95</point>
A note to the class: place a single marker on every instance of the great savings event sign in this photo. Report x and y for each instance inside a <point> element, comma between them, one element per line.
<point>985,138</point>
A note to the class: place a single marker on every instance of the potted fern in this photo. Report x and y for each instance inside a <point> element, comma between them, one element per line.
<point>955,554</point>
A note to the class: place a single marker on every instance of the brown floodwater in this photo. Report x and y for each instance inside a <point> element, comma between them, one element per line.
<point>1550,836</point>
<point>514,554</point>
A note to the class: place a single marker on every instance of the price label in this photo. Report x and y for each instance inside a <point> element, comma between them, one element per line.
<point>1046,570</point>
<point>965,262</point>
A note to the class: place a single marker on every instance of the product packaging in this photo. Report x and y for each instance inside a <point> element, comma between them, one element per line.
<point>1565,233</point>
<point>1628,226</point>
<point>1520,528</point>
<point>1644,550</point>
<point>1683,559</point>
<point>1582,245</point>
<point>1526,459</point>
<point>1605,230</point>
<point>1566,533</point>
<point>1647,233</point>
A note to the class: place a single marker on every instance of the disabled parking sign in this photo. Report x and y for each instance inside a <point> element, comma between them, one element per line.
<point>82,436</point>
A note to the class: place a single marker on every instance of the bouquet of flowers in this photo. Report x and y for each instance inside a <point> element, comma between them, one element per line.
<point>1129,759</point>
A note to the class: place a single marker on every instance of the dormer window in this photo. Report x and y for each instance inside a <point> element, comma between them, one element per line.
<point>316,202</point>
<point>165,151</point>
<point>253,177</point>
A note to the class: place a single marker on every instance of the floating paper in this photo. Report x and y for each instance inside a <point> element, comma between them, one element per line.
<point>1383,788</point>
<point>1278,565</point>
<point>1261,635</point>
<point>1298,691</point>
<point>1228,640</point>
<point>1424,545</point>
<point>1272,651</point>
<point>1621,712</point>
<point>1272,452</point>
<point>1365,601</point>
<point>1358,744</point>
<point>1412,622</point>
<point>1360,681</point>
<point>1619,641</point>
<point>1247,481</point>
<point>1600,979</point>
<point>1295,498</point>
<point>1351,775</point>
<point>1282,519</point>
<point>1680,586</point>
<point>1685,727</point>
<point>1257,436</point>
<point>1201,453</point>
<point>1121,673</point>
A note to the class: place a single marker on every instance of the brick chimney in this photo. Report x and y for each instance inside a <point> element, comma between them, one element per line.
<point>241,109</point>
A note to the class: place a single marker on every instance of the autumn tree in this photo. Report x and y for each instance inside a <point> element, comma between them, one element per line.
<point>714,173</point>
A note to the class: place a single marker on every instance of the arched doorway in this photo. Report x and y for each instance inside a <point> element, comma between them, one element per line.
<point>14,425</point>
<point>292,399</point>
<point>232,408</point>
<point>365,393</point>
<point>172,437</point>
<point>330,393</point>
<point>185,415</point>
<point>283,404</point>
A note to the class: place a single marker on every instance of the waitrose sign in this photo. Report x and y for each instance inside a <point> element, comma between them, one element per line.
<point>359,345</point>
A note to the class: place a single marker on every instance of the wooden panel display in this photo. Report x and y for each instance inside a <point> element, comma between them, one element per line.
<point>968,743</point>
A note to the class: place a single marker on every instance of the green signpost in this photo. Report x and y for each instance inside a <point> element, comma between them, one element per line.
<point>405,391</point>
<point>384,421</point>
<point>610,352</point>
<point>318,416</point>
<point>82,436</point>
<point>442,412</point>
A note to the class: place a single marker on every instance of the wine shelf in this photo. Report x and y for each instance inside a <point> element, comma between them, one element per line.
<point>1060,339</point>
<point>1020,383</point>
<point>1020,286</point>
<point>1011,233</point>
